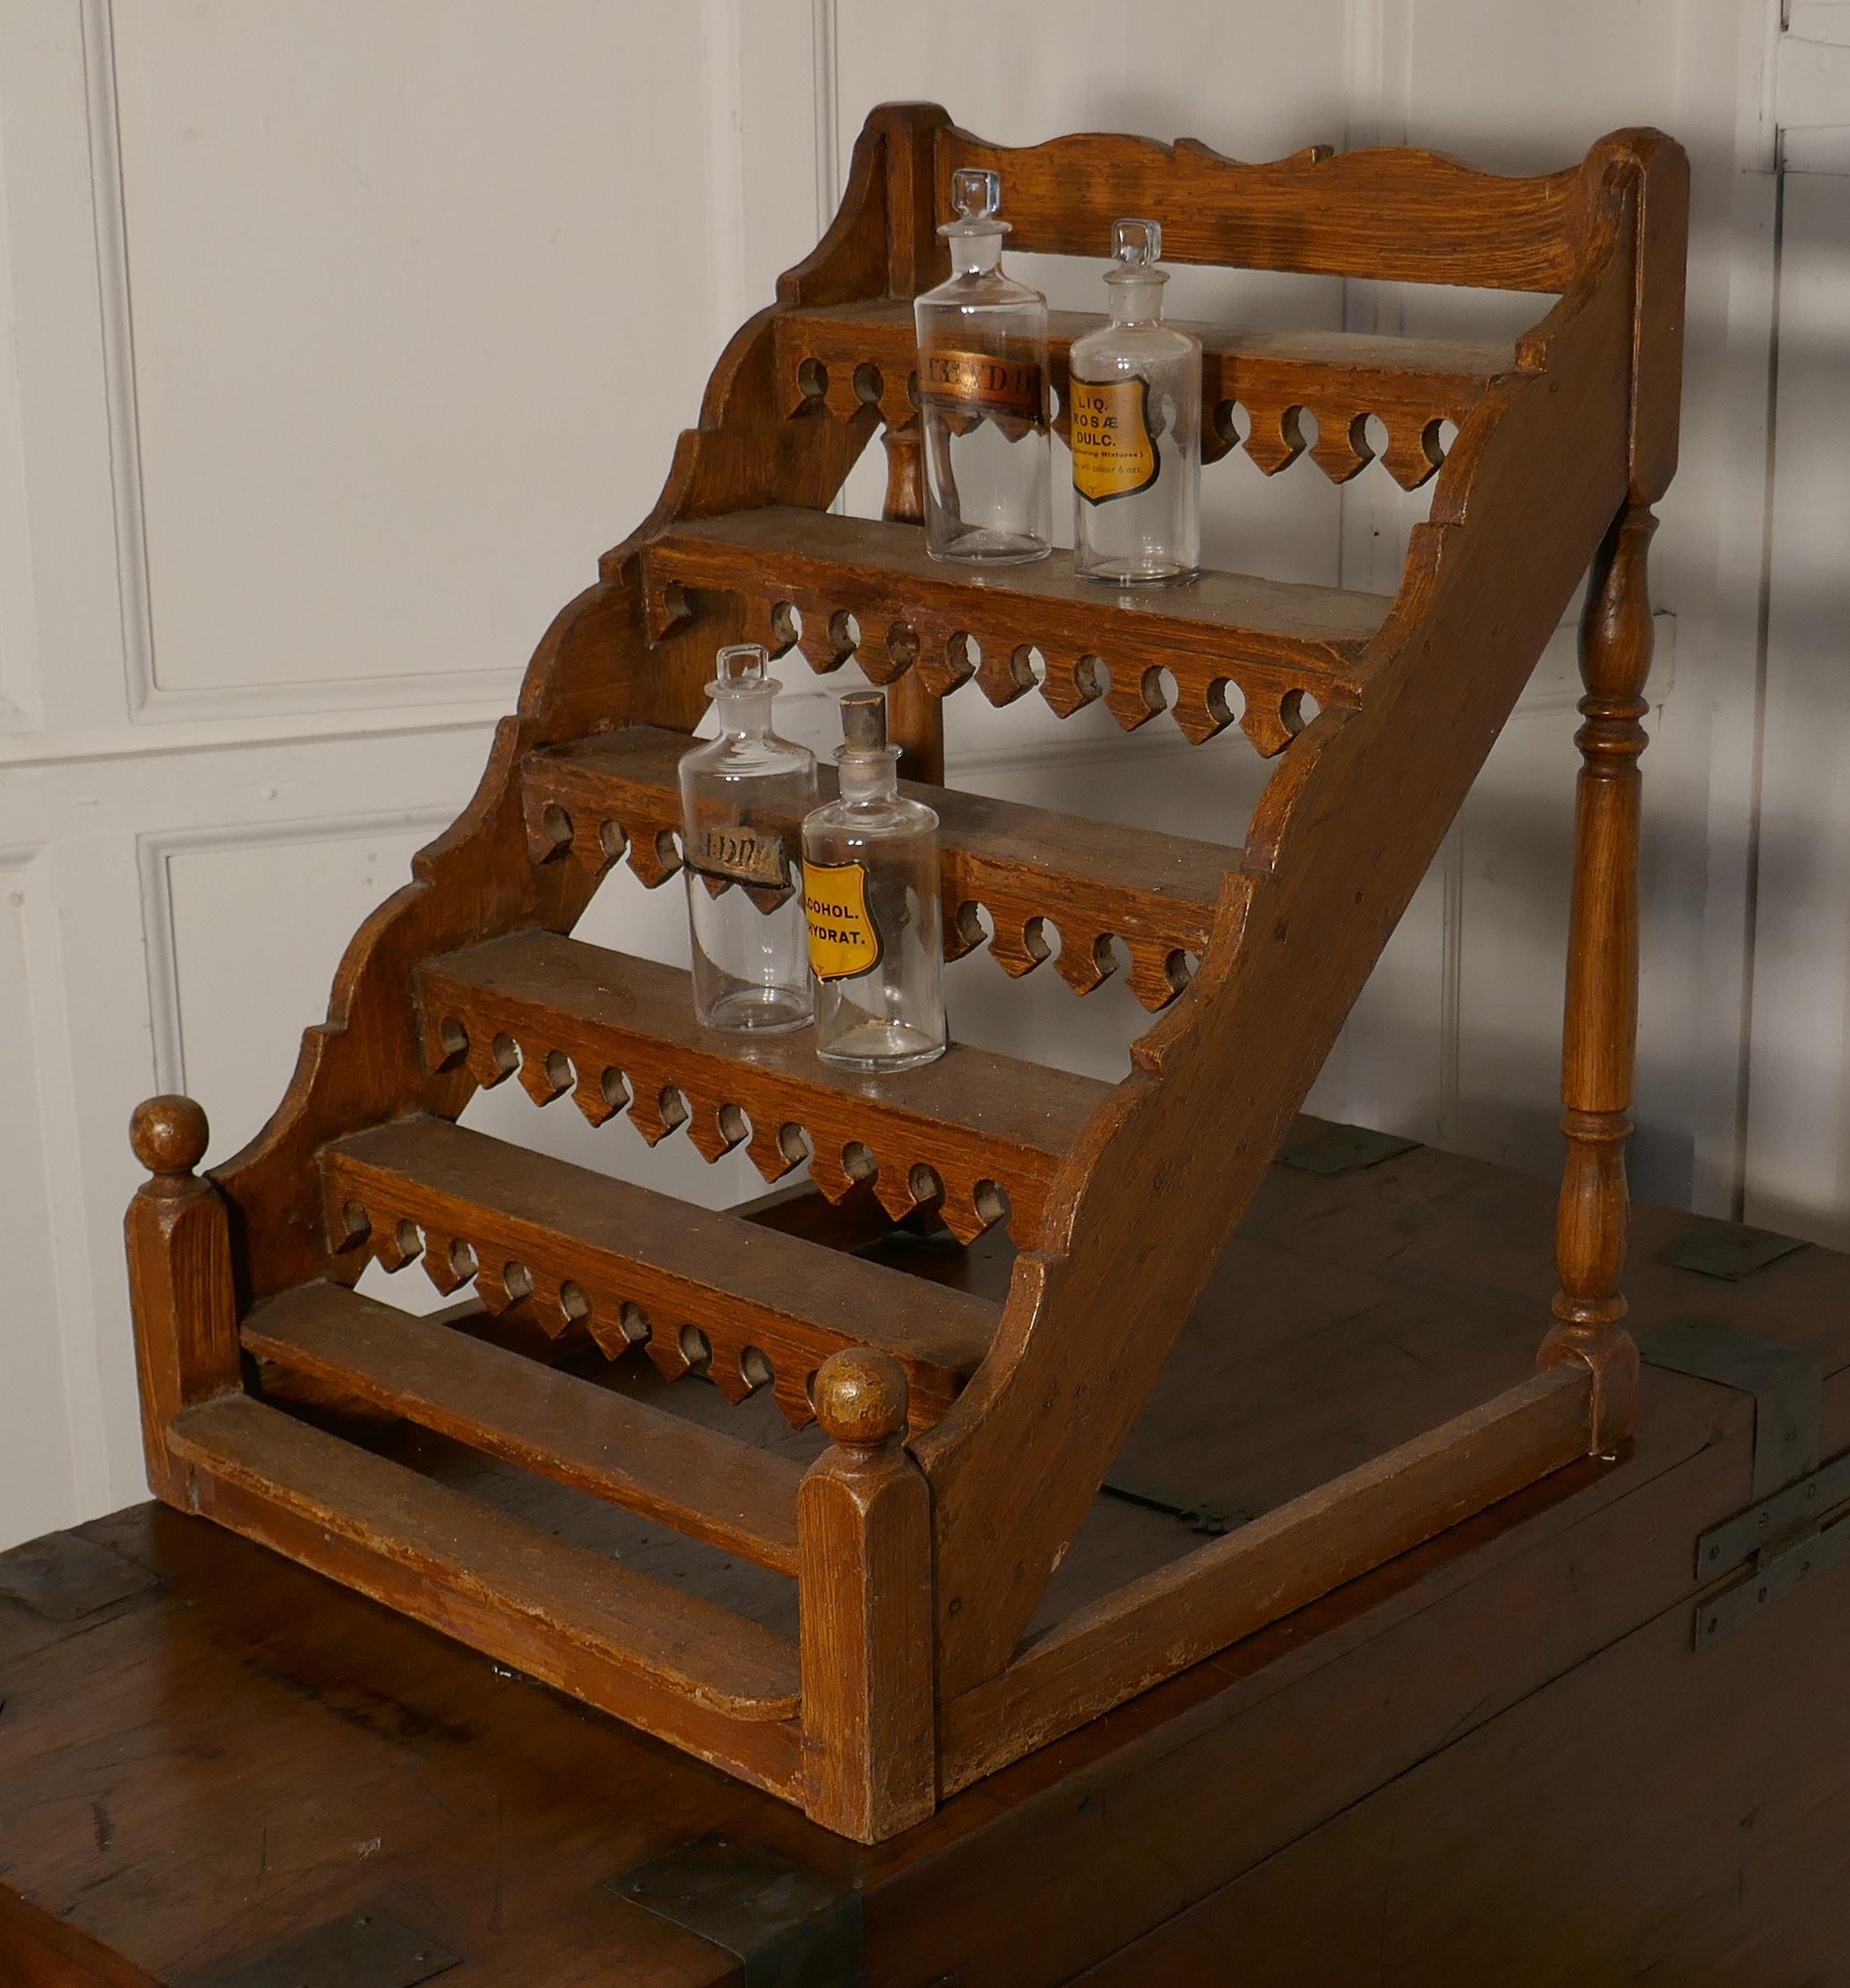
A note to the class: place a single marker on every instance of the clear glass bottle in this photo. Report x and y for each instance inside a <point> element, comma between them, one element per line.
<point>983,394</point>
<point>741,797</point>
<point>870,893</point>
<point>1135,409</point>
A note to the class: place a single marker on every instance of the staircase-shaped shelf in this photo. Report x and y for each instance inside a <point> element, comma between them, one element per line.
<point>961,1442</point>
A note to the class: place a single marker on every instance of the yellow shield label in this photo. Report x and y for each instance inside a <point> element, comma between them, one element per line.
<point>1113,455</point>
<point>844,942</point>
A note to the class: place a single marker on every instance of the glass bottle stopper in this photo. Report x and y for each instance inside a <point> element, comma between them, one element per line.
<point>742,666</point>
<point>864,721</point>
<point>1137,244</point>
<point>976,194</point>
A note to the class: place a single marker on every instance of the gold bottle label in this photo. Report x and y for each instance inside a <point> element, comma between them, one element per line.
<point>844,942</point>
<point>1113,455</point>
<point>735,852</point>
<point>979,383</point>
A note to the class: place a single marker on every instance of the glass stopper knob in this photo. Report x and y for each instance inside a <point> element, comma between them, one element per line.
<point>1137,244</point>
<point>742,662</point>
<point>976,192</point>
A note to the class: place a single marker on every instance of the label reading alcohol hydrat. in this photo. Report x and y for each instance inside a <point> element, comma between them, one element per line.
<point>980,383</point>
<point>844,942</point>
<point>1113,455</point>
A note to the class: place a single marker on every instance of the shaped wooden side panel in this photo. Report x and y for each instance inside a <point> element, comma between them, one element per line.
<point>1337,851</point>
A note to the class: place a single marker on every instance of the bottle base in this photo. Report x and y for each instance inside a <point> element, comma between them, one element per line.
<point>758,1011</point>
<point>982,546</point>
<point>878,1048</point>
<point>1131,574</point>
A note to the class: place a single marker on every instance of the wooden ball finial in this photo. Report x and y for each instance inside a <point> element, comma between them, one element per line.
<point>169,1134</point>
<point>860,1397</point>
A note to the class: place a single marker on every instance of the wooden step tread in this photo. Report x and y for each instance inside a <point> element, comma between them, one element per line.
<point>1411,384</point>
<point>987,1131</point>
<point>638,1268</point>
<point>1025,866</point>
<point>455,1545</point>
<point>735,1496</point>
<point>870,590</point>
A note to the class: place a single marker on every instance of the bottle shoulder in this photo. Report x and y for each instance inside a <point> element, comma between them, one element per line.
<point>887,818</point>
<point>762,757</point>
<point>1122,348</point>
<point>975,295</point>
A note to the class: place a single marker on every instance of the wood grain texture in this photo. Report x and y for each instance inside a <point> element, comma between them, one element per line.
<point>1541,466</point>
<point>872,591</point>
<point>1120,1199</point>
<point>613,796</point>
<point>864,1515</point>
<point>37,1951</point>
<point>642,1271</point>
<point>1599,1031</point>
<point>738,1497</point>
<point>849,356</point>
<point>179,1279</point>
<point>370,1724</point>
<point>963,1127</point>
<point>634,1646</point>
<point>1229,1588</point>
<point>914,718</point>
<point>1394,215</point>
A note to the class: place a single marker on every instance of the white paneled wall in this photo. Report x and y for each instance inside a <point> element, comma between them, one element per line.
<point>338,337</point>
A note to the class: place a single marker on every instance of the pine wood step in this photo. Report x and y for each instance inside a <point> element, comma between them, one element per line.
<point>733,1495</point>
<point>566,1614</point>
<point>987,1132</point>
<point>695,1288</point>
<point>842,587</point>
<point>1028,868</point>
<point>846,356</point>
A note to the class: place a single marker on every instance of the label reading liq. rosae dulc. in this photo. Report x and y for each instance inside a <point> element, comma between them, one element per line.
<point>1114,453</point>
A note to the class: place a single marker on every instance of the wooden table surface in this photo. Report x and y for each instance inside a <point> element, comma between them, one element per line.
<point>1497,1760</point>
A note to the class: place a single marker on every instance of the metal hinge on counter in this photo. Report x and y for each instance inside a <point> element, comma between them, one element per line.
<point>1794,1528</point>
<point>787,1925</point>
<point>363,1950</point>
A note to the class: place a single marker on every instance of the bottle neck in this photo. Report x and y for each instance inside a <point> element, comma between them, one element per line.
<point>976,254</point>
<point>869,776</point>
<point>744,712</point>
<point>1135,300</point>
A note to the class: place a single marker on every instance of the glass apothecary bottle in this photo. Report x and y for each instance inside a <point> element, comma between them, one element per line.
<point>870,893</point>
<point>983,394</point>
<point>1135,409</point>
<point>742,795</point>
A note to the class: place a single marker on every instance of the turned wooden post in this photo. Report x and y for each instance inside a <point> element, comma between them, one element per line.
<point>863,1533</point>
<point>180,1280</point>
<point>1600,1030</point>
<point>914,718</point>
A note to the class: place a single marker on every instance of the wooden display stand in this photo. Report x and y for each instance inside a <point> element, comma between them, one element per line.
<point>966,1440</point>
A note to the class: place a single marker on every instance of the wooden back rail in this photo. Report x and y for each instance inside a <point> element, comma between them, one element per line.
<point>921,1562</point>
<point>1395,215</point>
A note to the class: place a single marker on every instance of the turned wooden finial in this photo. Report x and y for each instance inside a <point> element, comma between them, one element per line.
<point>170,1135</point>
<point>860,1398</point>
